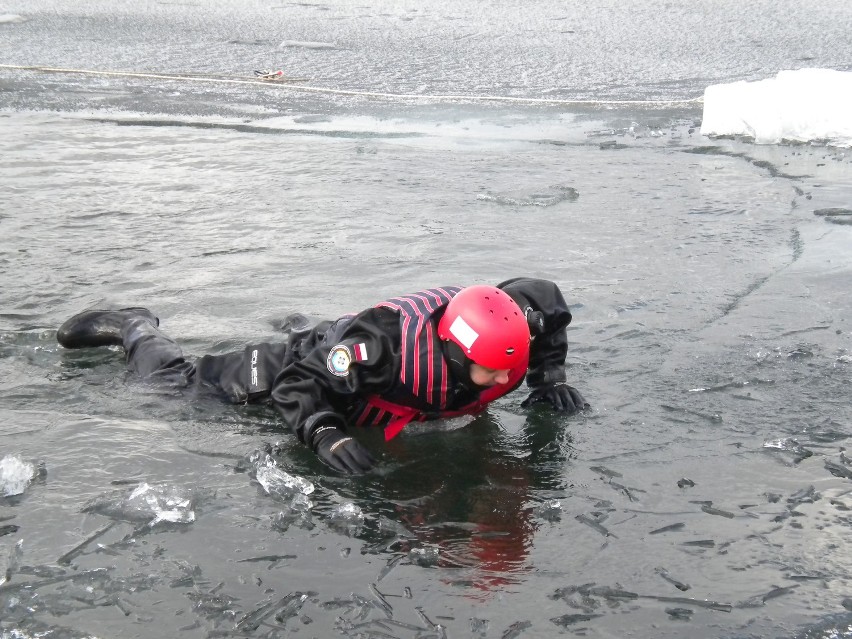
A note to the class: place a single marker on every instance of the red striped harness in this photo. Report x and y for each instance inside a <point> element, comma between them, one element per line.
<point>424,373</point>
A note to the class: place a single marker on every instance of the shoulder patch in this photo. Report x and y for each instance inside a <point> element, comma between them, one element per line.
<point>338,360</point>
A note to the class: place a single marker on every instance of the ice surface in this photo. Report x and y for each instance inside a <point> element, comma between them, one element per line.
<point>13,561</point>
<point>165,502</point>
<point>802,106</point>
<point>15,475</point>
<point>147,503</point>
<point>550,510</point>
<point>425,556</point>
<point>349,512</point>
<point>306,45</point>
<point>298,512</point>
<point>279,482</point>
<point>347,518</point>
<point>553,195</point>
<point>275,480</point>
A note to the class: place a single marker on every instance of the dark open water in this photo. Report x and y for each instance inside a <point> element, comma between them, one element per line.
<point>706,494</point>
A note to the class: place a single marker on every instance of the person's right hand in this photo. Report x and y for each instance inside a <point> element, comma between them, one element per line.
<point>340,451</point>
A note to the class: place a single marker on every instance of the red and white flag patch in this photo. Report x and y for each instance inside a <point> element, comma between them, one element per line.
<point>360,351</point>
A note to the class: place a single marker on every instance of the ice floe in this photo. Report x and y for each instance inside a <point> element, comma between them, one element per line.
<point>807,105</point>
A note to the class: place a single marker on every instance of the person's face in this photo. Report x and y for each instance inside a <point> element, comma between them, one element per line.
<point>482,376</point>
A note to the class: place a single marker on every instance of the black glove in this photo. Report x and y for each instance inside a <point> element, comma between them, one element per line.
<point>340,451</point>
<point>535,320</point>
<point>561,396</point>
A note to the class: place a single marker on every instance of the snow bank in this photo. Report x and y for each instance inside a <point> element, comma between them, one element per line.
<point>802,106</point>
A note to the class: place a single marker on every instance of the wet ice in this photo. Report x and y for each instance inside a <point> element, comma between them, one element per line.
<point>13,561</point>
<point>544,198</point>
<point>626,365</point>
<point>276,481</point>
<point>280,483</point>
<point>298,512</point>
<point>146,503</point>
<point>16,474</point>
<point>348,518</point>
<point>550,510</point>
<point>425,556</point>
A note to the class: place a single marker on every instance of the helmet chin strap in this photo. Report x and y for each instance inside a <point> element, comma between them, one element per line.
<point>460,365</point>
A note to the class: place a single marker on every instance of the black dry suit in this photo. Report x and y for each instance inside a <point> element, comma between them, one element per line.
<point>383,366</point>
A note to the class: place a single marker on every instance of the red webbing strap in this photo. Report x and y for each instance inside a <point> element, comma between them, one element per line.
<point>406,414</point>
<point>403,415</point>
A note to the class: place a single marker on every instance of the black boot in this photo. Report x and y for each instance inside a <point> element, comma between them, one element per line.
<point>100,327</point>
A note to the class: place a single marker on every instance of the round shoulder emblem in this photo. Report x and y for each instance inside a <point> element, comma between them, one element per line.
<point>338,360</point>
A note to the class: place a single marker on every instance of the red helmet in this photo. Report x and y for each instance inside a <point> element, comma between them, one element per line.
<point>488,326</point>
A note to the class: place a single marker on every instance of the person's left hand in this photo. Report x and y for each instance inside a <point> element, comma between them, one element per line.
<point>561,396</point>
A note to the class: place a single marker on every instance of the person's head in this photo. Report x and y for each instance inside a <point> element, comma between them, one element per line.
<point>483,376</point>
<point>487,334</point>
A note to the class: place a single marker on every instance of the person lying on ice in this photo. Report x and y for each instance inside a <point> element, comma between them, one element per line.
<point>436,353</point>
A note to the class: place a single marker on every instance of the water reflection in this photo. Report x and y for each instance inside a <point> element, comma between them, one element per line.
<point>468,501</point>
